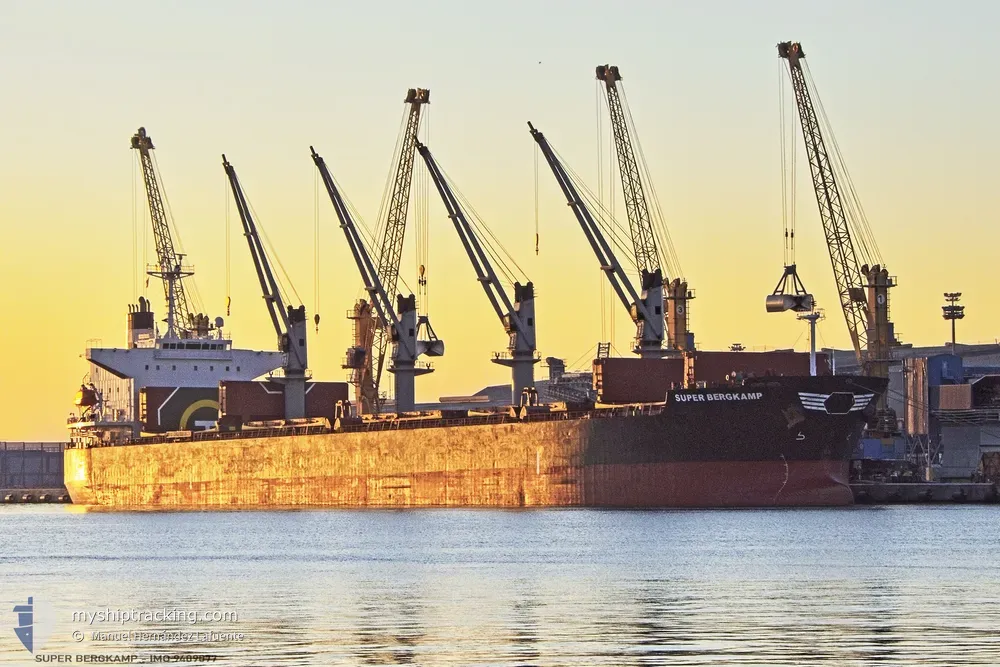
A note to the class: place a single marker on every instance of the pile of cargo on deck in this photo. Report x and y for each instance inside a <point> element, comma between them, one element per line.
<point>634,380</point>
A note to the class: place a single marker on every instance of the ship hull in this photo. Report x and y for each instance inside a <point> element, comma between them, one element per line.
<point>758,446</point>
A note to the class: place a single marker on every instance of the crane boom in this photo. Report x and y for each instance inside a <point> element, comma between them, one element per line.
<point>648,254</point>
<point>290,324</point>
<point>847,270</point>
<point>518,318</point>
<point>168,268</point>
<point>646,312</point>
<point>639,220</point>
<point>404,326</point>
<point>268,285</point>
<point>391,249</point>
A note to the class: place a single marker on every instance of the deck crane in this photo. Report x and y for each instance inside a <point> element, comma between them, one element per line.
<point>373,340</point>
<point>404,325</point>
<point>863,282</point>
<point>649,254</point>
<point>646,311</point>
<point>289,323</point>
<point>181,321</point>
<point>518,318</point>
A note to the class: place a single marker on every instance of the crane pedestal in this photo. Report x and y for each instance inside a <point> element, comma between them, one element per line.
<point>522,371</point>
<point>405,371</point>
<point>295,396</point>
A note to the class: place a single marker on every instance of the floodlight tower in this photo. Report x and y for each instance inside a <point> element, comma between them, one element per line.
<point>953,312</point>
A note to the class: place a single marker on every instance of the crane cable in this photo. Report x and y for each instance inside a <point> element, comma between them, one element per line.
<point>316,242</point>
<point>851,202</point>
<point>421,216</point>
<point>612,311</point>
<point>229,242</point>
<point>787,175</point>
<point>665,244</point>
<point>135,235</point>
<point>601,284</point>
<point>188,283</point>
<point>286,287</point>
<point>367,235</point>
<point>613,230</point>
<point>536,149</point>
<point>502,260</point>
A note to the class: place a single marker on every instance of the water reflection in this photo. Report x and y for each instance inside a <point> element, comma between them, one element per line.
<point>863,586</point>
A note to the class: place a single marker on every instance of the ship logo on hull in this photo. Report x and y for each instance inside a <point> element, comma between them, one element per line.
<point>837,403</point>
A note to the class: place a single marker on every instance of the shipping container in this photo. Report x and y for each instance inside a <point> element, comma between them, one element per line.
<point>954,397</point>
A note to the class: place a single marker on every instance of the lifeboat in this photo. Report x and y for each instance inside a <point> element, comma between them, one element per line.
<point>86,397</point>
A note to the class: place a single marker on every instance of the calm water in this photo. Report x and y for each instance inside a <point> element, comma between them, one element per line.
<point>861,586</point>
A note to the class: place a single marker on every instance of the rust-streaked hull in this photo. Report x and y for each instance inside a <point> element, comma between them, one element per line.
<point>754,447</point>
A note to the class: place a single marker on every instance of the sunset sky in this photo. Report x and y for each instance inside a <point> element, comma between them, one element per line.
<point>909,88</point>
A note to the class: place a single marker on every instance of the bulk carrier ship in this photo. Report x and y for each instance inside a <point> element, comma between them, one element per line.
<point>777,441</point>
<point>694,429</point>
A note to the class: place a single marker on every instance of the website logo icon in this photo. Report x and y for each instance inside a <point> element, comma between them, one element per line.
<point>25,624</point>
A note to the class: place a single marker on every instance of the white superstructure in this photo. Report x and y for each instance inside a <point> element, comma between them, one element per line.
<point>109,399</point>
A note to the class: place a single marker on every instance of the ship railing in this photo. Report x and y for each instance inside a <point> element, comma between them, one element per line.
<point>499,417</point>
<point>411,424</point>
<point>32,446</point>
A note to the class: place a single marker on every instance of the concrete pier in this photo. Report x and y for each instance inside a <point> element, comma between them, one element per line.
<point>47,495</point>
<point>882,493</point>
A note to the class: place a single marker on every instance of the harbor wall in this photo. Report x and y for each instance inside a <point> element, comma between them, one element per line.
<point>31,465</point>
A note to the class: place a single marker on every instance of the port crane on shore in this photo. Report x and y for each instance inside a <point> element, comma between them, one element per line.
<point>517,316</point>
<point>863,282</point>
<point>181,321</point>
<point>289,322</point>
<point>645,310</point>
<point>651,254</point>
<point>367,360</point>
<point>403,324</point>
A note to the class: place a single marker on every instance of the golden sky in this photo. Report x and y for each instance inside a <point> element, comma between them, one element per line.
<point>905,90</point>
